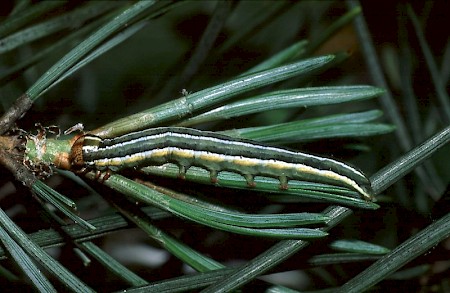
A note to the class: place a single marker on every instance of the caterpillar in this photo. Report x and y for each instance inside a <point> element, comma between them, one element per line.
<point>214,152</point>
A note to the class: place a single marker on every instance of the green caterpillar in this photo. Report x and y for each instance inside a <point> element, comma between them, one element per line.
<point>214,152</point>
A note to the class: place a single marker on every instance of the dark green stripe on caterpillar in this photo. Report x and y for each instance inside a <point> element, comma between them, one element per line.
<point>214,152</point>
